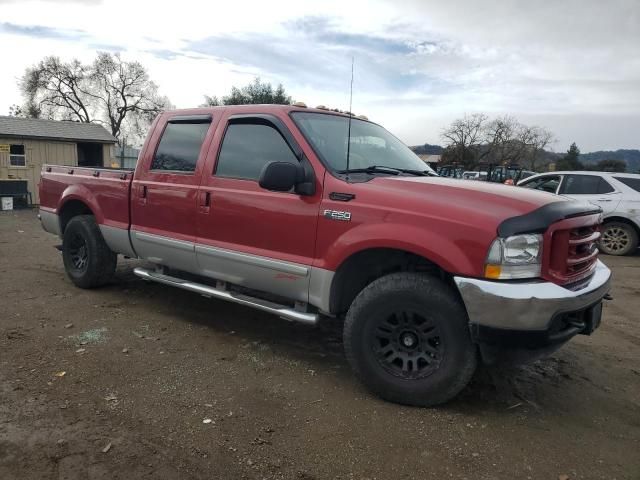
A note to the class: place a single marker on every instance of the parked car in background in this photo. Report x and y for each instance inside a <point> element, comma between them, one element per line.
<point>451,171</point>
<point>469,175</point>
<point>618,194</point>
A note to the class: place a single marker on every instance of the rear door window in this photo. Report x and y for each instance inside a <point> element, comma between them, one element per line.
<point>179,147</point>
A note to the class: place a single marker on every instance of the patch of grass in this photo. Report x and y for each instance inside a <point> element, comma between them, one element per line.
<point>90,337</point>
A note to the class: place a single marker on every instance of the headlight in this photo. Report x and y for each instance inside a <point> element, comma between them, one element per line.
<point>518,256</point>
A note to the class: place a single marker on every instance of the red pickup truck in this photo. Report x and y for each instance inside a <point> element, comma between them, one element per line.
<point>307,213</point>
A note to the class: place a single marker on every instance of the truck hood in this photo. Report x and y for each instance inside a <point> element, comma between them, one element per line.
<point>487,204</point>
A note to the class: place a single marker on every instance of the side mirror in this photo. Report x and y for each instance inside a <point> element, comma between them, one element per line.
<point>285,176</point>
<point>280,176</point>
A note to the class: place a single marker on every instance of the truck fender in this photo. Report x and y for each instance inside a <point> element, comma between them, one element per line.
<point>440,250</point>
<point>82,194</point>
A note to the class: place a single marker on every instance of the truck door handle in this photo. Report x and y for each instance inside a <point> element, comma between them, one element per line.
<point>143,192</point>
<point>604,199</point>
<point>205,199</point>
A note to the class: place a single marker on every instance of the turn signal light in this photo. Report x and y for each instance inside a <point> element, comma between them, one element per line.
<point>492,271</point>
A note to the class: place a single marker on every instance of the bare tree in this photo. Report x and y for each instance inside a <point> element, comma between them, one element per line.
<point>499,136</point>
<point>539,138</point>
<point>26,111</point>
<point>511,142</point>
<point>58,89</point>
<point>110,91</point>
<point>501,141</point>
<point>463,137</point>
<point>123,93</point>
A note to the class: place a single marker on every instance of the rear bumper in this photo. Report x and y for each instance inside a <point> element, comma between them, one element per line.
<point>532,315</point>
<point>50,221</point>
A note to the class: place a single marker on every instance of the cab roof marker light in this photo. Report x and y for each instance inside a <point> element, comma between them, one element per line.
<point>300,104</point>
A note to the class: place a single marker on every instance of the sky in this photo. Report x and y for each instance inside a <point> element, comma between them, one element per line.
<point>572,66</point>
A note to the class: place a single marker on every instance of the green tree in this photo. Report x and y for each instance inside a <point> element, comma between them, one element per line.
<point>571,160</point>
<point>611,165</point>
<point>257,92</point>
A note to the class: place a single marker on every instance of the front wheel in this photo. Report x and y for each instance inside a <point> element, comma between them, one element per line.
<point>406,336</point>
<point>88,260</point>
<point>618,238</point>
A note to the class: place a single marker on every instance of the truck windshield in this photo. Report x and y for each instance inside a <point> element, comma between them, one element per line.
<point>372,147</point>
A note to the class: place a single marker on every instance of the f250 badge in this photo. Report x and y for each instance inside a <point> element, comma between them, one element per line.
<point>337,215</point>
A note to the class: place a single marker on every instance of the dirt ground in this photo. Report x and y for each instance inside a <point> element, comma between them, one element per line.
<point>140,380</point>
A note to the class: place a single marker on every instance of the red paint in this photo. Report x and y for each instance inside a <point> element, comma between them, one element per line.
<point>450,222</point>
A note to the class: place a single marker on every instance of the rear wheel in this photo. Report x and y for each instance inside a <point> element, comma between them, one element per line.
<point>88,260</point>
<point>618,238</point>
<point>406,335</point>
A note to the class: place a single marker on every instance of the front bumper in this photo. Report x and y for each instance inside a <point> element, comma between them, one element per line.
<point>532,315</point>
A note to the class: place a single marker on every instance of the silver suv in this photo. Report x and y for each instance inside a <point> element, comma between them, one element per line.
<point>617,193</point>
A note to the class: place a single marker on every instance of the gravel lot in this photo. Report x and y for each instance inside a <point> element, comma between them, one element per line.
<point>119,382</point>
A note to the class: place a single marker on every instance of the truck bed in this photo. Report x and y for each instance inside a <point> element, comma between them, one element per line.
<point>105,190</point>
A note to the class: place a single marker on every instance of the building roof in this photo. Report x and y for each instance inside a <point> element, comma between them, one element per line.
<point>53,130</point>
<point>430,158</point>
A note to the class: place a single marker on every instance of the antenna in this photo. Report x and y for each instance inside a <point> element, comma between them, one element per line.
<point>350,115</point>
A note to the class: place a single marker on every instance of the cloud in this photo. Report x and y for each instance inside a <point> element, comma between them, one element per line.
<point>418,64</point>
<point>42,31</point>
<point>83,2</point>
<point>106,47</point>
<point>314,52</point>
<point>323,31</point>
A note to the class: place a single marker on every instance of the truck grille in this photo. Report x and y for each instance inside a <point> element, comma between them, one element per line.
<point>574,253</point>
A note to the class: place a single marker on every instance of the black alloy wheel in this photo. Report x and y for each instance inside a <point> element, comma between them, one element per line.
<point>407,337</point>
<point>78,252</point>
<point>407,344</point>
<point>88,260</point>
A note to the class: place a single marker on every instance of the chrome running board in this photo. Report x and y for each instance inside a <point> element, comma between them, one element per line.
<point>283,311</point>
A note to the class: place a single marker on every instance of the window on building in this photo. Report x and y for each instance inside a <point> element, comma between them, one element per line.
<point>17,157</point>
<point>247,148</point>
<point>179,147</point>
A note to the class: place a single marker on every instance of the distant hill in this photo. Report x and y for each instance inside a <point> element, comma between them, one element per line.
<point>630,157</point>
<point>427,149</point>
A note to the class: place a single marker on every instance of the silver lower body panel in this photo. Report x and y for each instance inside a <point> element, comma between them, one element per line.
<point>118,240</point>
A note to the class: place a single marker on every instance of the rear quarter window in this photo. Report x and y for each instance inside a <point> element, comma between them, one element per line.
<point>633,183</point>
<point>586,185</point>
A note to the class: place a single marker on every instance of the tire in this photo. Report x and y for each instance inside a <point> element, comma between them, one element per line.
<point>420,320</point>
<point>88,261</point>
<point>618,238</point>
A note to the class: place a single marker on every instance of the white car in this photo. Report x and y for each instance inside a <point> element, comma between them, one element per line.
<point>617,193</point>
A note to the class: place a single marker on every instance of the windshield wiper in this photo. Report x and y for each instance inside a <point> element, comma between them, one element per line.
<point>390,170</point>
<point>373,169</point>
<point>421,173</point>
